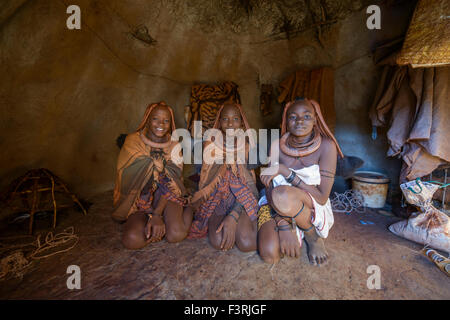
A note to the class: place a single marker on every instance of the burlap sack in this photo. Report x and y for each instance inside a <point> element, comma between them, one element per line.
<point>430,226</point>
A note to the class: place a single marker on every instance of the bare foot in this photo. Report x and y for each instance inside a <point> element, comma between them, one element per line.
<point>317,253</point>
<point>289,244</point>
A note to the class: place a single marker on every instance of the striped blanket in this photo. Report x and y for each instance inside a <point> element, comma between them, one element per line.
<point>231,189</point>
<point>145,200</point>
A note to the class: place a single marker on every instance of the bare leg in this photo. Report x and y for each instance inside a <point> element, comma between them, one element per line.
<point>246,233</point>
<point>215,238</point>
<point>178,220</point>
<point>269,243</point>
<point>133,233</point>
<point>288,201</point>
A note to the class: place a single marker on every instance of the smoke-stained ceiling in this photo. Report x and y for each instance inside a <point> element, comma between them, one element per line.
<point>266,17</point>
<point>270,18</point>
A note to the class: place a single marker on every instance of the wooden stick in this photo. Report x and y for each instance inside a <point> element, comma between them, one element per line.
<point>30,191</point>
<point>74,198</point>
<point>17,187</point>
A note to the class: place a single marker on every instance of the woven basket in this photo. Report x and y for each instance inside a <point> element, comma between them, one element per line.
<point>427,41</point>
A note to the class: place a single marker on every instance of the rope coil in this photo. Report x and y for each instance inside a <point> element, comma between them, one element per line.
<point>16,262</point>
<point>350,200</point>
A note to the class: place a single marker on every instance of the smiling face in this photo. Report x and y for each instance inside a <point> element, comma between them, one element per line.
<point>158,123</point>
<point>300,119</point>
<point>230,118</point>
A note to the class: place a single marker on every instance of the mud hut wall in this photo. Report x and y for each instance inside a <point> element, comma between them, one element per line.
<point>67,94</point>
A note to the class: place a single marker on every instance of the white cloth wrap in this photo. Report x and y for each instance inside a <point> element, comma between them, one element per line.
<point>323,218</point>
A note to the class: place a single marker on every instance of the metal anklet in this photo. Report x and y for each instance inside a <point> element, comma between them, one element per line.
<point>293,218</point>
<point>283,228</point>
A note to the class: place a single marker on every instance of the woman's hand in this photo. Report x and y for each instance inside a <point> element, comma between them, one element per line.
<point>155,228</point>
<point>267,174</point>
<point>229,225</point>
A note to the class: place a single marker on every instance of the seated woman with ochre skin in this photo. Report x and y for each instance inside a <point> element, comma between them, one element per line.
<point>296,203</point>
<point>149,195</point>
<point>226,203</point>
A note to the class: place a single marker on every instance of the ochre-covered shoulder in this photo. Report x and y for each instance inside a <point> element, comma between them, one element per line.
<point>328,145</point>
<point>133,142</point>
<point>132,149</point>
<point>132,138</point>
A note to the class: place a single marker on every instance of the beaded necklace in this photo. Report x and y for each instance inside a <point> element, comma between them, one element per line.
<point>295,149</point>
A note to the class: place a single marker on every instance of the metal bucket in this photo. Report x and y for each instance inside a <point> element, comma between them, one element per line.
<point>373,187</point>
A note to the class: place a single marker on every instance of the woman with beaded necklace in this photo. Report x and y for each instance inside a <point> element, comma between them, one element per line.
<point>296,203</point>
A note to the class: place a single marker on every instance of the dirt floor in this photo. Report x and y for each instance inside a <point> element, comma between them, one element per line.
<point>193,270</point>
